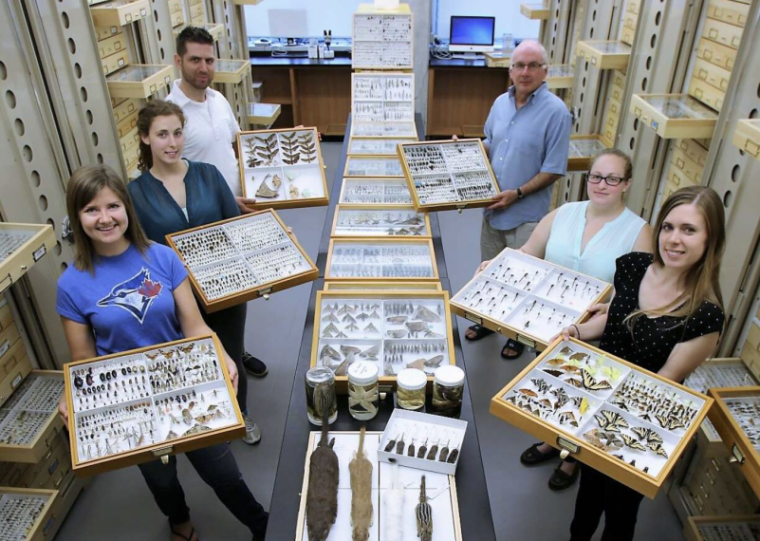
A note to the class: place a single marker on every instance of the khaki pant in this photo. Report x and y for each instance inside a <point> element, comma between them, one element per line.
<point>493,241</point>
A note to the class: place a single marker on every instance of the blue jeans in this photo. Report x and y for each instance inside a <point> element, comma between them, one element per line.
<point>217,467</point>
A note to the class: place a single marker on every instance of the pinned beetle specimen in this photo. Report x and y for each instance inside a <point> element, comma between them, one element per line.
<point>322,494</point>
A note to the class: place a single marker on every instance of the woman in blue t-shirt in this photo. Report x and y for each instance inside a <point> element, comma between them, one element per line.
<point>172,195</point>
<point>124,292</point>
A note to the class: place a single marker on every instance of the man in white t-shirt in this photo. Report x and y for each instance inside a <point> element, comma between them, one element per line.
<point>210,131</point>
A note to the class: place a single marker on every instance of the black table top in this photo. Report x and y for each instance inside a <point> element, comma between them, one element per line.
<point>459,63</point>
<point>287,61</point>
<point>474,509</point>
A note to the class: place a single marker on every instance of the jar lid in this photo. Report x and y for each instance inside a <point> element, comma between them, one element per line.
<point>411,379</point>
<point>320,374</point>
<point>362,373</point>
<point>449,375</point>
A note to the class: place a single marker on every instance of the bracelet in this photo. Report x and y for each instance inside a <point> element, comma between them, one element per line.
<point>577,330</point>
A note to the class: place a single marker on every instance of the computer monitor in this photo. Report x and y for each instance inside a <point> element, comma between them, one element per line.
<point>471,34</point>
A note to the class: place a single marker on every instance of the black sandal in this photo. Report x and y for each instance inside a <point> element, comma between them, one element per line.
<point>532,456</point>
<point>517,347</point>
<point>480,332</point>
<point>560,480</point>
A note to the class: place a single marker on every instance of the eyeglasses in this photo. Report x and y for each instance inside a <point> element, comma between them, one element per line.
<point>533,66</point>
<point>611,180</point>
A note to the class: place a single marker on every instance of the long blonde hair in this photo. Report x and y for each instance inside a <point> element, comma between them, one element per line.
<point>84,186</point>
<point>702,279</point>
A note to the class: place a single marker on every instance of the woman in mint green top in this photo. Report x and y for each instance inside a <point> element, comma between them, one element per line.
<point>587,237</point>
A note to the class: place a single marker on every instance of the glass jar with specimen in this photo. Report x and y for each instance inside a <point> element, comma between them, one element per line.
<point>448,387</point>
<point>410,392</point>
<point>363,395</point>
<point>321,400</point>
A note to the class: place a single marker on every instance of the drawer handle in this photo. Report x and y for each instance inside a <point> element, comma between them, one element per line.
<point>738,456</point>
<point>752,147</point>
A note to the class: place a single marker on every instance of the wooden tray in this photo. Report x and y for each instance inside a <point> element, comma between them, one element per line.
<point>497,59</point>
<point>14,363</point>
<point>371,192</point>
<point>33,451</point>
<point>119,13</point>
<point>27,244</point>
<point>112,45</point>
<point>717,54</point>
<point>372,50</point>
<point>574,443</point>
<point>371,294</point>
<point>41,526</point>
<point>446,521</point>
<point>382,286</point>
<point>394,225</point>
<point>414,180</point>
<point>537,11</point>
<point>534,295</point>
<point>159,450</point>
<point>674,116</point>
<point>732,434</point>
<point>263,114</point>
<point>737,524</point>
<point>384,129</point>
<point>605,55</point>
<point>249,176</point>
<point>560,76</point>
<point>376,146</point>
<point>747,137</point>
<point>373,166</point>
<point>583,149</point>
<point>379,243</point>
<point>231,71</point>
<point>723,33</point>
<point>139,80</point>
<point>263,288</point>
<point>387,99</point>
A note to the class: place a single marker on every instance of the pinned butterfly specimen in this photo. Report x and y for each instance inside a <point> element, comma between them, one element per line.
<point>567,350</point>
<point>632,443</point>
<point>574,382</point>
<point>584,405</point>
<point>555,373</point>
<point>669,423</point>
<point>658,449</point>
<point>555,362</point>
<point>570,369</point>
<point>640,431</point>
<point>541,385</point>
<point>593,385</point>
<point>611,421</point>
<point>567,417</point>
<point>580,356</point>
<point>612,373</point>
<point>528,392</point>
<point>546,403</point>
<point>561,395</point>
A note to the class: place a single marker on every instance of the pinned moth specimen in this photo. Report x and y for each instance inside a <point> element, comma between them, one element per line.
<point>396,320</point>
<point>370,353</point>
<point>416,327</point>
<point>289,145</point>
<point>349,350</point>
<point>330,331</point>
<point>555,373</point>
<point>308,148</point>
<point>332,318</point>
<point>322,493</point>
<point>397,333</point>
<point>253,160</point>
<point>370,328</point>
<point>329,352</point>
<point>424,514</point>
<point>425,314</point>
<point>360,470</point>
<point>265,149</point>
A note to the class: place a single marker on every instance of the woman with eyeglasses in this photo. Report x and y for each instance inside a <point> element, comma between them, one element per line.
<point>588,236</point>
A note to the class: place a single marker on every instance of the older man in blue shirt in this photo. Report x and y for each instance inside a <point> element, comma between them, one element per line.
<point>527,139</point>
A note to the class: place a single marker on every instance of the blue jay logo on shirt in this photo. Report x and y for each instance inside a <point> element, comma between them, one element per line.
<point>134,295</point>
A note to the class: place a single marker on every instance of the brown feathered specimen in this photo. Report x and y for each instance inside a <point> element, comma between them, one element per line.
<point>360,469</point>
<point>322,496</point>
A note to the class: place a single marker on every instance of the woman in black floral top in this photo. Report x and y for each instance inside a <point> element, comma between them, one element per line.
<point>666,316</point>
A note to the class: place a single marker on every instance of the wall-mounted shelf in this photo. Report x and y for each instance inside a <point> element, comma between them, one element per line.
<point>139,80</point>
<point>535,11</point>
<point>674,116</point>
<point>231,71</point>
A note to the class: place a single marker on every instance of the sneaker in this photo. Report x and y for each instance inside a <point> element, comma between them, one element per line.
<point>252,431</point>
<point>254,366</point>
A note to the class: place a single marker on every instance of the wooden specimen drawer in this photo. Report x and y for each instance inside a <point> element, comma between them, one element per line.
<point>689,167</point>
<point>364,166</point>
<point>129,141</point>
<point>21,246</point>
<point>177,19</point>
<point>254,253</point>
<point>711,74</point>
<point>194,408</point>
<point>380,221</point>
<point>196,11</point>
<point>605,54</point>
<point>131,156</point>
<point>198,21</point>
<point>6,317</point>
<point>724,33</point>
<point>734,417</point>
<point>139,80</point>
<point>706,93</point>
<point>31,421</point>
<point>630,20</point>
<point>112,45</point>
<point>119,12</point>
<point>376,146</point>
<point>747,137</point>
<point>231,71</point>
<point>106,32</point>
<point>618,80</point>
<point>124,109</point>
<point>583,148</point>
<point>35,513</point>
<point>528,299</point>
<point>369,192</point>
<point>601,419</point>
<point>49,468</point>
<point>716,54</point>
<point>633,6</point>
<point>728,11</point>
<point>674,116</point>
<point>115,62</point>
<point>125,126</point>
<point>560,76</point>
<point>722,528</point>
<point>382,286</point>
<point>175,6</point>
<point>693,150</point>
<point>381,260</point>
<point>627,35</point>
<point>424,340</point>
<point>538,11</point>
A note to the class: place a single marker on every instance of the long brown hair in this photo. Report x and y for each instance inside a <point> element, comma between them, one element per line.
<point>84,186</point>
<point>145,119</point>
<point>702,279</point>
